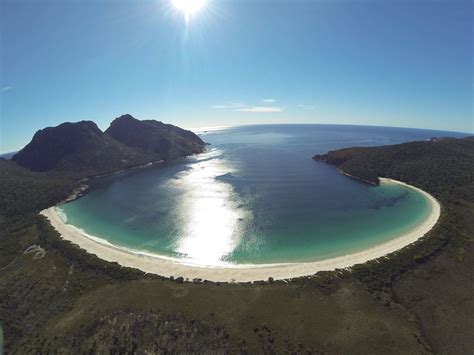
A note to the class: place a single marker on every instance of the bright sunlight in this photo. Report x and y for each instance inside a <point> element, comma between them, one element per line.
<point>188,7</point>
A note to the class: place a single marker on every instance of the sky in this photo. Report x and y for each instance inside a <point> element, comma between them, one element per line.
<point>375,62</point>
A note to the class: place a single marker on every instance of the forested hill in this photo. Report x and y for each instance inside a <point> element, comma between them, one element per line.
<point>83,150</point>
<point>441,166</point>
<point>154,137</point>
<point>77,147</point>
<point>24,192</point>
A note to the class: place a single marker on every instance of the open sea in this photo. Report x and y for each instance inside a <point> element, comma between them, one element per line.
<point>255,196</point>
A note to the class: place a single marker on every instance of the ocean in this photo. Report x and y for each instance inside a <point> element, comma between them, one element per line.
<point>254,197</point>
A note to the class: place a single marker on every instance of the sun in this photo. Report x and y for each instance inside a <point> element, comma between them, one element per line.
<point>188,7</point>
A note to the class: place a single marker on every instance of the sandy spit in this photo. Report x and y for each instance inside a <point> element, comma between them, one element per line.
<point>155,264</point>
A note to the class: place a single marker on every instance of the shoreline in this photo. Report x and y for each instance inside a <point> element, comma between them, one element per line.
<point>167,267</point>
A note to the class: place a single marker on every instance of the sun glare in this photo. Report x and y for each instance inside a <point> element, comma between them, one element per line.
<point>188,7</point>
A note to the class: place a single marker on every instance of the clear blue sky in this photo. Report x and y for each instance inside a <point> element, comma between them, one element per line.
<point>377,62</point>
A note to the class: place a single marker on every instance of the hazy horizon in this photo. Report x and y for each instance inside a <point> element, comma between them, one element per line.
<point>218,128</point>
<point>394,64</point>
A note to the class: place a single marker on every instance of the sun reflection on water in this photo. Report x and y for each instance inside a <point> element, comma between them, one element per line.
<point>209,210</point>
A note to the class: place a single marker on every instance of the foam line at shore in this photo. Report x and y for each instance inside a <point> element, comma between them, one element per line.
<point>164,266</point>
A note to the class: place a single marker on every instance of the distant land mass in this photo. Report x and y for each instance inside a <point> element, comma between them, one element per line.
<point>82,148</point>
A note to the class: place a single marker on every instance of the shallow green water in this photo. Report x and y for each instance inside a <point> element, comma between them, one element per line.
<point>255,197</point>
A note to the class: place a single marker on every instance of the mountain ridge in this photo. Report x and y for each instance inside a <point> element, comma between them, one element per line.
<point>155,137</point>
<point>82,149</point>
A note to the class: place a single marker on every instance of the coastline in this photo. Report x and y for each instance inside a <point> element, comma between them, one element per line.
<point>167,267</point>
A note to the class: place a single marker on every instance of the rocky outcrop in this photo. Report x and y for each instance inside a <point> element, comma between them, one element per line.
<point>154,137</point>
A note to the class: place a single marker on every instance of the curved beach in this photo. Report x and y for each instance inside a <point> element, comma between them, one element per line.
<point>167,267</point>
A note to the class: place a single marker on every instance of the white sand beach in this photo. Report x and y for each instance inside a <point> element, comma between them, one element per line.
<point>241,273</point>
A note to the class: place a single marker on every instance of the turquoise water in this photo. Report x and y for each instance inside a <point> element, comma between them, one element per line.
<point>255,196</point>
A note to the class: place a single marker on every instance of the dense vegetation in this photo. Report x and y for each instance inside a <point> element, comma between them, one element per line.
<point>24,192</point>
<point>55,297</point>
<point>414,163</point>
